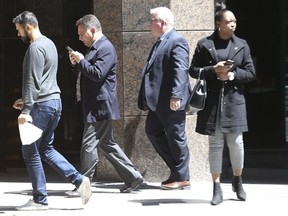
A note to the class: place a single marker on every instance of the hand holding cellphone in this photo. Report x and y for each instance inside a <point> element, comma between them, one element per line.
<point>229,62</point>
<point>69,49</point>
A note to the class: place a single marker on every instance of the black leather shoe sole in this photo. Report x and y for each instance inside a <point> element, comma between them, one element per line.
<point>133,186</point>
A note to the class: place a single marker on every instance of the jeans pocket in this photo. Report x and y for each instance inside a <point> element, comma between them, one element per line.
<point>43,116</point>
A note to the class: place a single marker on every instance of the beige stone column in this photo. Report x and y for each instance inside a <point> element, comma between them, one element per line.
<point>126,24</point>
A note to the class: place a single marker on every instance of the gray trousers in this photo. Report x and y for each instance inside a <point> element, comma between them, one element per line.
<point>216,146</point>
<point>217,141</point>
<point>99,135</point>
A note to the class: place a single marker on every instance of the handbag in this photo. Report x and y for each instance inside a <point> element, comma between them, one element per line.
<point>199,93</point>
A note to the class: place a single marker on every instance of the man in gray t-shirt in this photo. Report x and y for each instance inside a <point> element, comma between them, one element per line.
<point>41,104</point>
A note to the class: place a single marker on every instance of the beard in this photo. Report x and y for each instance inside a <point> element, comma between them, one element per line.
<point>25,38</point>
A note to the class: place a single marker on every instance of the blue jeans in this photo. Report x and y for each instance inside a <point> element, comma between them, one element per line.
<point>46,116</point>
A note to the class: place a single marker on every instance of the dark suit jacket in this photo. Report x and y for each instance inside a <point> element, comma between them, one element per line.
<point>165,75</point>
<point>99,82</point>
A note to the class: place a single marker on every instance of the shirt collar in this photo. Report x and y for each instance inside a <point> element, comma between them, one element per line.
<point>165,33</point>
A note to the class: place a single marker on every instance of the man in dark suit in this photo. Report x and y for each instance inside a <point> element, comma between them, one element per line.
<point>164,93</point>
<point>98,94</point>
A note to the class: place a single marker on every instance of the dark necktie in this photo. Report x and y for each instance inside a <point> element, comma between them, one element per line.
<point>154,50</point>
<point>78,91</point>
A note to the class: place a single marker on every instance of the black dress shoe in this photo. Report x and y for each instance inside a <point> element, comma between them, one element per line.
<point>133,186</point>
<point>169,180</point>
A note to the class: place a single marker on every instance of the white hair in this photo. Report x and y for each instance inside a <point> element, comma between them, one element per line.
<point>163,13</point>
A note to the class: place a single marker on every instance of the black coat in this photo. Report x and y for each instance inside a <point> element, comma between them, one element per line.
<point>234,117</point>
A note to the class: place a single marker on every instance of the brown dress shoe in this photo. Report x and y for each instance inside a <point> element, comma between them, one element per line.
<point>176,185</point>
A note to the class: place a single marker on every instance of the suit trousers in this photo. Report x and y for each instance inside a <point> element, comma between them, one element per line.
<point>166,132</point>
<point>99,135</point>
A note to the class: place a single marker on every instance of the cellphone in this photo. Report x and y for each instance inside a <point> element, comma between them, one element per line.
<point>229,62</point>
<point>69,49</point>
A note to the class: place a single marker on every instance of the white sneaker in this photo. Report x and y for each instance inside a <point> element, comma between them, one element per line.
<point>85,190</point>
<point>32,206</point>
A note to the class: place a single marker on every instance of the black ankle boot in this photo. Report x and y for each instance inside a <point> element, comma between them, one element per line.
<point>237,187</point>
<point>217,194</point>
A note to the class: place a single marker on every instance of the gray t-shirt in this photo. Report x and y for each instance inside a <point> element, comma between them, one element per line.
<point>40,67</point>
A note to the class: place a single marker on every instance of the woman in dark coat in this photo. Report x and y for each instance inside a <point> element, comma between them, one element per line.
<point>224,117</point>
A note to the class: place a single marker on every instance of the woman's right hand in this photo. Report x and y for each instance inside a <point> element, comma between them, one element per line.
<point>221,70</point>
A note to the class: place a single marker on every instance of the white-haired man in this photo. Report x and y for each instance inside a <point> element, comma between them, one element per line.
<point>164,93</point>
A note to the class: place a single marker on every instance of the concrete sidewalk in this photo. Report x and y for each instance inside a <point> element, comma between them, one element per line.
<point>262,199</point>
